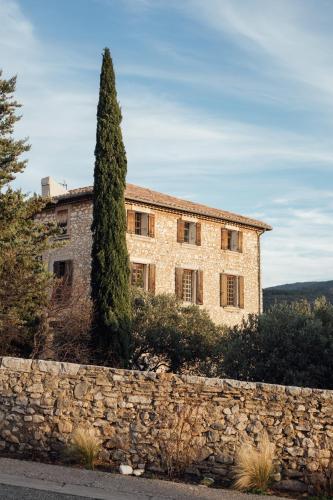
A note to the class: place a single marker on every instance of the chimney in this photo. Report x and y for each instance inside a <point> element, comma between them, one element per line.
<point>52,188</point>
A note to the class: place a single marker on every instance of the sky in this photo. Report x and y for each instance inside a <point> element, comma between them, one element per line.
<point>224,102</point>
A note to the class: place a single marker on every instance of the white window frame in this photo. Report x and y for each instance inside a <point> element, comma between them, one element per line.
<point>194,285</point>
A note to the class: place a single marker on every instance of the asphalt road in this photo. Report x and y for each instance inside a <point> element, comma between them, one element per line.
<point>23,480</point>
<point>8,492</point>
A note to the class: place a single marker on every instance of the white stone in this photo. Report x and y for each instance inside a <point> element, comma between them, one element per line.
<point>138,472</point>
<point>127,470</point>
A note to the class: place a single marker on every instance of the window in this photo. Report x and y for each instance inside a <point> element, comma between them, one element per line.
<point>231,240</point>
<point>188,232</point>
<point>63,271</point>
<point>189,285</point>
<point>62,222</point>
<point>138,275</point>
<point>231,290</point>
<point>143,276</point>
<point>141,223</point>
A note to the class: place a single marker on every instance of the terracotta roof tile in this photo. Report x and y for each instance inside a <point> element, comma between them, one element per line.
<point>150,197</point>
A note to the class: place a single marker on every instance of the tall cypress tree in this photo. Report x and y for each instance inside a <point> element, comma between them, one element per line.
<point>110,262</point>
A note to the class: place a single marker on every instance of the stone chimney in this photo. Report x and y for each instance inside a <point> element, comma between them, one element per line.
<point>52,188</point>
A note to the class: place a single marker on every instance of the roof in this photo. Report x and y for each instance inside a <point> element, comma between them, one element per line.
<point>147,196</point>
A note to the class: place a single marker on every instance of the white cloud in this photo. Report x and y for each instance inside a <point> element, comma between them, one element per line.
<point>158,130</point>
<point>286,39</point>
<point>58,111</point>
<point>300,246</point>
<point>166,140</point>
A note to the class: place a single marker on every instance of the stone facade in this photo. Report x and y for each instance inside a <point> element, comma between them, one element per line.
<point>167,254</point>
<point>42,402</point>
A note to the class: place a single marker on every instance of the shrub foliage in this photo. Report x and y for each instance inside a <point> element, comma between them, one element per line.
<point>290,344</point>
<point>167,333</point>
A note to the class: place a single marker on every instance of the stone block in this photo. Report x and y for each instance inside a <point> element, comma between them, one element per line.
<point>16,364</point>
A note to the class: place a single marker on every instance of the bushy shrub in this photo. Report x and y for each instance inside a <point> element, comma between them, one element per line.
<point>290,344</point>
<point>167,333</point>
<point>71,328</point>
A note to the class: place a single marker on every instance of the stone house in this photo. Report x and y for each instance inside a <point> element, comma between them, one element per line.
<point>206,256</point>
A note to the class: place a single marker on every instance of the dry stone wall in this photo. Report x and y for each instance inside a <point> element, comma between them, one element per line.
<point>135,413</point>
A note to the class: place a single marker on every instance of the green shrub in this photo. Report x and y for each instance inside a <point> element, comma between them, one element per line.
<point>167,333</point>
<point>290,344</point>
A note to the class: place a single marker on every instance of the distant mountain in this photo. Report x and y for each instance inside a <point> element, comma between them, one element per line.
<point>309,290</point>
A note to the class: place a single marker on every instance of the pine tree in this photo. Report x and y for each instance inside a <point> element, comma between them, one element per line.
<point>23,279</point>
<point>110,262</point>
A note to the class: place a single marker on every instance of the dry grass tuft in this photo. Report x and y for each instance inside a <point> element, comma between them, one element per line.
<point>180,431</point>
<point>254,466</point>
<point>84,447</point>
<point>178,440</point>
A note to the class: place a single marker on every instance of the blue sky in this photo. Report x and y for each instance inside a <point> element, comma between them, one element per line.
<point>225,102</point>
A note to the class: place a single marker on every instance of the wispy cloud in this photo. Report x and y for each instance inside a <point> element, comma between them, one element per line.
<point>58,117</point>
<point>209,143</point>
<point>209,153</point>
<point>300,247</point>
<point>286,39</point>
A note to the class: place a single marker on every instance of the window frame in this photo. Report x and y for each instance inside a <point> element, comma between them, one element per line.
<point>228,243</point>
<point>192,274</point>
<point>140,223</point>
<point>149,275</point>
<point>66,235</point>
<point>197,284</point>
<point>144,275</point>
<point>238,291</point>
<point>189,232</point>
<point>232,290</point>
<point>62,291</point>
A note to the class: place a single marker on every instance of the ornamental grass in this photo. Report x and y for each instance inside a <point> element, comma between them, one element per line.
<point>84,447</point>
<point>254,465</point>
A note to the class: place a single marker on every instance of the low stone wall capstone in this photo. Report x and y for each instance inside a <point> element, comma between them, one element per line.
<point>137,413</point>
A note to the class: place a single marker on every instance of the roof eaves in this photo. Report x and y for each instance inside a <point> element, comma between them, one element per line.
<point>238,219</point>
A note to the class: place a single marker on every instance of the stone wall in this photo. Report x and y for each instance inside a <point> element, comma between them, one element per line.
<point>166,253</point>
<point>42,402</point>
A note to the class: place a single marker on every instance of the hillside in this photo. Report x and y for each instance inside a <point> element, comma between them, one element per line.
<point>309,290</point>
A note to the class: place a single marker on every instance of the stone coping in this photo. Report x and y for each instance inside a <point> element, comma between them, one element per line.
<point>72,369</point>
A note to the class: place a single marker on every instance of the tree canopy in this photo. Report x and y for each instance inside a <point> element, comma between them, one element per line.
<point>24,280</point>
<point>290,344</point>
